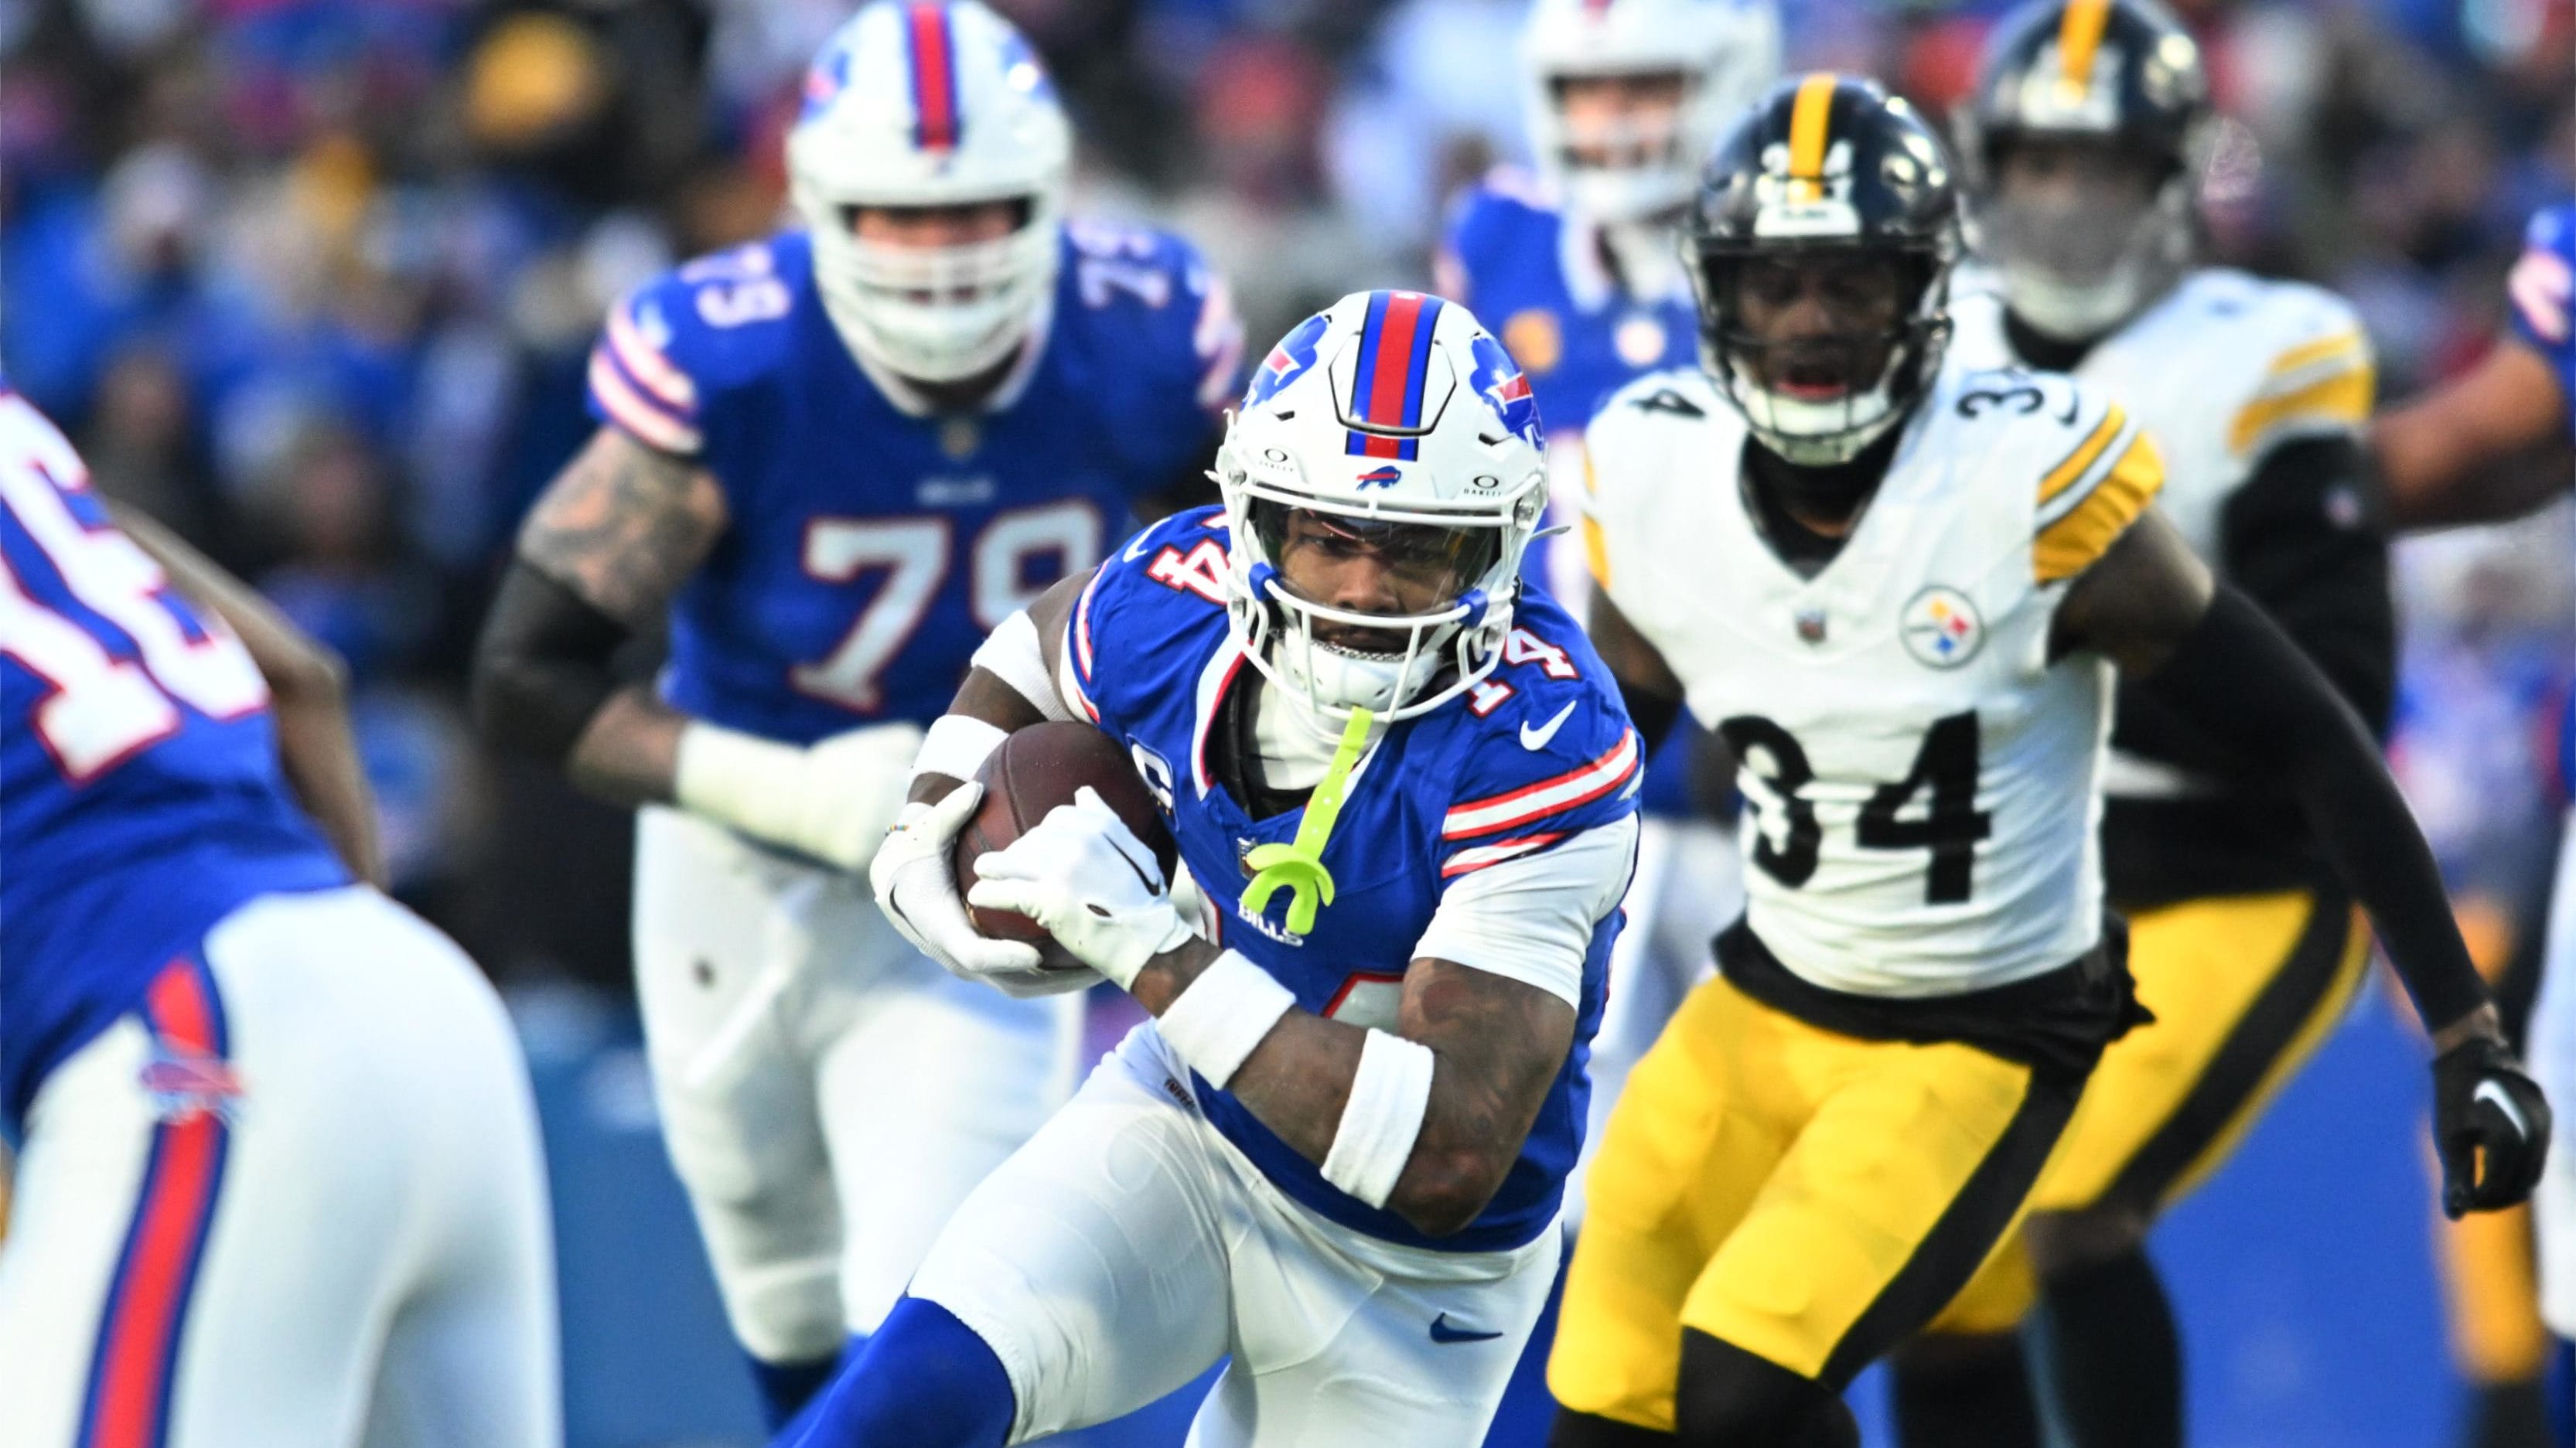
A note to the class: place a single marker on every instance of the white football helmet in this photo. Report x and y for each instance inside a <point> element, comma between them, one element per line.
<point>931,104</point>
<point>1394,422</point>
<point>1725,51</point>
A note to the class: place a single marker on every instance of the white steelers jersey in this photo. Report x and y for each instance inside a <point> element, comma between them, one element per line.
<point>2219,371</point>
<point>1923,779</point>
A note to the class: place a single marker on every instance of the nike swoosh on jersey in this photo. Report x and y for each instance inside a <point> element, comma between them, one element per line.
<point>1441,1331</point>
<point>1537,738</point>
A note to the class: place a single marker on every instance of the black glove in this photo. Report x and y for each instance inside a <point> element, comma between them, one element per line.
<point>2487,1108</point>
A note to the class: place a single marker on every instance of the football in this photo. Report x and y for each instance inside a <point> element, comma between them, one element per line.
<point>1035,770</point>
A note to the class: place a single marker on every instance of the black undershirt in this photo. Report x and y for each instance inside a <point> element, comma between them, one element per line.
<point>1844,487</point>
<point>2040,350</point>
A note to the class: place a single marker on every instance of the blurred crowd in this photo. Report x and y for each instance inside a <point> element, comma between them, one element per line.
<point>315,280</point>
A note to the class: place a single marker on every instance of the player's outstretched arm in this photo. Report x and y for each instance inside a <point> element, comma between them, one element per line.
<point>308,688</point>
<point>606,547</point>
<point>2152,607</point>
<point>2489,446</point>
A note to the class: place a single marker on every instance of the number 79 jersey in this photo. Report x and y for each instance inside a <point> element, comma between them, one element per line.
<point>872,543</point>
<point>1923,777</point>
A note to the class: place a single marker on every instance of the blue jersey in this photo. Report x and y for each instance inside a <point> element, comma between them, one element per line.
<point>868,549</point>
<point>140,793</point>
<point>1537,277</point>
<point>2542,290</point>
<point>1441,795</point>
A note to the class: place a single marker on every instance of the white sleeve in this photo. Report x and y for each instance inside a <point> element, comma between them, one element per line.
<point>1531,919</point>
<point>1013,654</point>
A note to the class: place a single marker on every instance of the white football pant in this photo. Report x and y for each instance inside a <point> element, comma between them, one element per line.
<point>2552,1039</point>
<point>1689,885</point>
<point>296,1197</point>
<point>827,1093</point>
<point>1129,1246</point>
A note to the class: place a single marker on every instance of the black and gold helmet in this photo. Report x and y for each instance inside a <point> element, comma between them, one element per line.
<point>1826,171</point>
<point>2112,95</point>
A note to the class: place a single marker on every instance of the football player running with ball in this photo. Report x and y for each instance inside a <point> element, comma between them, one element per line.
<point>835,460</point>
<point>2085,145</point>
<point>1901,587</point>
<point>1403,786</point>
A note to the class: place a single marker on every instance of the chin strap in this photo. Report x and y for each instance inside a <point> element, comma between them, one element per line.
<point>1298,867</point>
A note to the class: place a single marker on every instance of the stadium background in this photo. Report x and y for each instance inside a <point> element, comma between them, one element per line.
<point>315,282</point>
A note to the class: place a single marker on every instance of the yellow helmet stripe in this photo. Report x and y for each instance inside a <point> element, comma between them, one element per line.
<point>1808,119</point>
<point>2079,34</point>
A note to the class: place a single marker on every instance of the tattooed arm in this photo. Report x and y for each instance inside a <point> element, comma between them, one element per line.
<point>609,542</point>
<point>1497,1045</point>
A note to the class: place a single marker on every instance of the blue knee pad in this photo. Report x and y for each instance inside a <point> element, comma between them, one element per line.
<point>924,1380</point>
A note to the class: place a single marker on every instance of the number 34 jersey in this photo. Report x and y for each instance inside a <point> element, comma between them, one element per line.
<point>871,543</point>
<point>1924,777</point>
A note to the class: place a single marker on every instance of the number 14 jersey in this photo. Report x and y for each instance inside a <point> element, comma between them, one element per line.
<point>1923,777</point>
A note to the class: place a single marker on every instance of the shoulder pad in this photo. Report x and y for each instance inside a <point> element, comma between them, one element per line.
<point>2318,373</point>
<point>2092,488</point>
<point>1551,751</point>
<point>692,332</point>
<point>1170,314</point>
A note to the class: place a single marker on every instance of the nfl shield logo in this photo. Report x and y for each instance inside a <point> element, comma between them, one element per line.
<point>1811,625</point>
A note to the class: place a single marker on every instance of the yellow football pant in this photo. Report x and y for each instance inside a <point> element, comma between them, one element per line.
<point>1806,1196</point>
<point>2244,989</point>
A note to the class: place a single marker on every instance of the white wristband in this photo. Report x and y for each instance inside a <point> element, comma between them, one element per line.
<point>1389,1095</point>
<point>1223,1015</point>
<point>738,779</point>
<point>957,746</point>
<point>1013,655</point>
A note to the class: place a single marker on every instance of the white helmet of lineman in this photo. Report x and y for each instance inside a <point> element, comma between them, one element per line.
<point>1395,422</point>
<point>1726,53</point>
<point>931,104</point>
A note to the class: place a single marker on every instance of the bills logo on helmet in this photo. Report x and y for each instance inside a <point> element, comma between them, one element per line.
<point>1506,389</point>
<point>1287,362</point>
<point>827,78</point>
<point>1380,477</point>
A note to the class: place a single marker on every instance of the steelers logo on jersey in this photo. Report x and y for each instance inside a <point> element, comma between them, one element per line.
<point>1941,628</point>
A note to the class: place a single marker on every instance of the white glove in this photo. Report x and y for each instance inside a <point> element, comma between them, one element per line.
<point>831,800</point>
<point>910,875</point>
<point>1085,877</point>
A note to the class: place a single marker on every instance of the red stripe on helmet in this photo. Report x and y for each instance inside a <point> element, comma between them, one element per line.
<point>934,79</point>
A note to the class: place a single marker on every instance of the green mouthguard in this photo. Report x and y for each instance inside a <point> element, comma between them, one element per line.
<point>1298,867</point>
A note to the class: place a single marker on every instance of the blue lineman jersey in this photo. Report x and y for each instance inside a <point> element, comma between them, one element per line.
<point>1538,278</point>
<point>2542,290</point>
<point>869,550</point>
<point>141,799</point>
<point>1440,796</point>
<point>1530,271</point>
